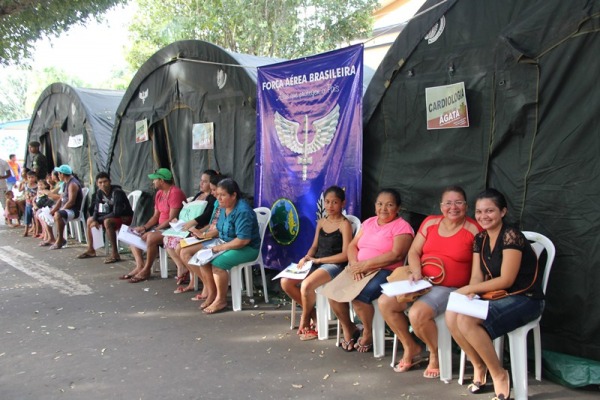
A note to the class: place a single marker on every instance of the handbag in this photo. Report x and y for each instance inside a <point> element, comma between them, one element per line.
<point>501,293</point>
<point>343,288</point>
<point>403,274</point>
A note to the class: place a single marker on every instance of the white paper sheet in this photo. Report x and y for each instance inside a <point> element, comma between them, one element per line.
<point>462,304</point>
<point>293,272</point>
<point>401,287</point>
<point>129,236</point>
<point>98,237</point>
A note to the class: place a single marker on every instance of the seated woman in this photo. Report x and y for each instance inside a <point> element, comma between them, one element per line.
<point>237,226</point>
<point>329,256</point>
<point>379,247</point>
<point>502,259</point>
<point>170,243</point>
<point>448,237</point>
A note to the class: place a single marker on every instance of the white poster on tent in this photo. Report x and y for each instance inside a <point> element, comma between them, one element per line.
<point>75,141</point>
<point>447,107</point>
<point>203,137</point>
<point>141,131</point>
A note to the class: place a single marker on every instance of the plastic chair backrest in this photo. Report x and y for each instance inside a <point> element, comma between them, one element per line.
<point>84,192</point>
<point>133,198</point>
<point>355,222</point>
<point>539,244</point>
<point>263,215</point>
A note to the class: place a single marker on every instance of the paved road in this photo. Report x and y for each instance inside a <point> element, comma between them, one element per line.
<point>71,330</point>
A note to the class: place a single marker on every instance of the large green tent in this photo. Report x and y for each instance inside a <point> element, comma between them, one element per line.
<point>530,70</point>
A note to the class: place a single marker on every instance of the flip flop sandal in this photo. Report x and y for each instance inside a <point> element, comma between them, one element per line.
<point>85,255</point>
<point>135,279</point>
<point>404,367</point>
<point>431,373</point>
<point>309,334</point>
<point>363,348</point>
<point>43,244</point>
<point>56,247</point>
<point>125,277</point>
<point>348,346</point>
<point>111,260</point>
<point>182,289</point>
<point>198,297</point>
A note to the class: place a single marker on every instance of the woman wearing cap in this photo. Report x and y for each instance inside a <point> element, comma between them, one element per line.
<point>67,208</point>
<point>237,228</point>
<point>168,202</point>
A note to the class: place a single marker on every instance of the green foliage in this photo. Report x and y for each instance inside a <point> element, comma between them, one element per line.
<point>13,94</point>
<point>22,22</point>
<point>274,28</point>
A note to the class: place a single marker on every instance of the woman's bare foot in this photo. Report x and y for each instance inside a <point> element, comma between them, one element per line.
<point>215,307</point>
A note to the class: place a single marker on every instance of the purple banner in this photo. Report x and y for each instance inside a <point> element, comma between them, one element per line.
<point>309,137</point>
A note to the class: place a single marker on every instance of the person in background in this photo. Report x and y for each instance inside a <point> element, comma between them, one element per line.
<point>170,243</point>
<point>503,259</point>
<point>15,170</point>
<point>30,190</point>
<point>449,238</point>
<point>45,220</point>
<point>111,210</point>
<point>39,163</point>
<point>168,202</point>
<point>328,253</point>
<point>5,173</point>
<point>68,207</point>
<point>11,211</point>
<point>237,227</point>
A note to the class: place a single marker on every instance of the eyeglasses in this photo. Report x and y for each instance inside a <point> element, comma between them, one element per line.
<point>458,203</point>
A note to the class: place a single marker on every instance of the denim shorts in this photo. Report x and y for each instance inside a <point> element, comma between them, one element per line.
<point>507,314</point>
<point>332,269</point>
<point>437,298</point>
<point>373,289</point>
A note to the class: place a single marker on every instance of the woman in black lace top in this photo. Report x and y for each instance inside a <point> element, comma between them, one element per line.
<point>502,260</point>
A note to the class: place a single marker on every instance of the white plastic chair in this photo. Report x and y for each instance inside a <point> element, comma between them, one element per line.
<point>133,198</point>
<point>518,338</point>
<point>263,214</point>
<point>78,225</point>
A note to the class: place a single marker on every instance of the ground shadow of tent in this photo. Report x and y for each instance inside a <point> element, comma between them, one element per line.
<point>186,83</point>
<point>74,126</point>
<point>534,134</point>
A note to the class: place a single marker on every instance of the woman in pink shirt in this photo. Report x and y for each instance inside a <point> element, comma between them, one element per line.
<point>379,247</point>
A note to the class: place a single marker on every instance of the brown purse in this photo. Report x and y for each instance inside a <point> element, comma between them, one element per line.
<point>403,274</point>
<point>501,293</point>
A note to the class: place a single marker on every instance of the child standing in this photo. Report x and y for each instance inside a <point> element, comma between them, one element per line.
<point>12,211</point>
<point>30,190</point>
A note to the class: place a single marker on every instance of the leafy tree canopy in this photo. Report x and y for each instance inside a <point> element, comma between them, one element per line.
<point>274,28</point>
<point>22,22</point>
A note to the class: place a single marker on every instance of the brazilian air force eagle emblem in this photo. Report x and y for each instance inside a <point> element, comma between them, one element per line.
<point>324,130</point>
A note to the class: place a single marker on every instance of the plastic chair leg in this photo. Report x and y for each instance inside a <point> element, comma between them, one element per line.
<point>264,282</point>
<point>322,316</point>
<point>518,360</point>
<point>378,332</point>
<point>537,343</point>
<point>394,351</point>
<point>235,276</point>
<point>444,348</point>
<point>164,262</point>
<point>293,315</point>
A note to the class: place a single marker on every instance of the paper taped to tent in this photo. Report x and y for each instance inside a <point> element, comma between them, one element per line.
<point>74,127</point>
<point>190,107</point>
<point>532,92</point>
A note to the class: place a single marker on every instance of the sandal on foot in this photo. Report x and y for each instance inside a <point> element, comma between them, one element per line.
<point>182,289</point>
<point>56,247</point>
<point>43,244</point>
<point>415,361</point>
<point>183,279</point>
<point>85,255</point>
<point>111,260</point>
<point>476,387</point>
<point>431,373</point>
<point>199,297</point>
<point>137,279</point>
<point>309,334</point>
<point>349,345</point>
<point>363,348</point>
<point>126,277</point>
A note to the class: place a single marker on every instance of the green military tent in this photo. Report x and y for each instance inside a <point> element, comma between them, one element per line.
<point>530,71</point>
